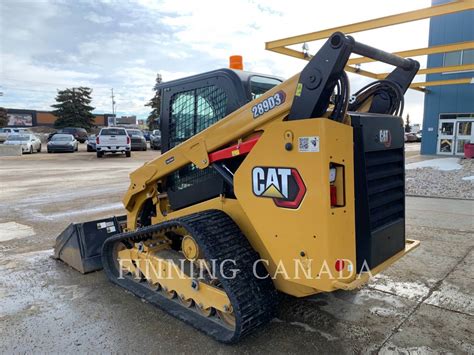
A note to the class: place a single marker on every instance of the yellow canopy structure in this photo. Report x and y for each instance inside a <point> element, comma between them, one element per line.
<point>282,45</point>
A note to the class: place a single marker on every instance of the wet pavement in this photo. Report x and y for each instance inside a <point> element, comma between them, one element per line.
<point>423,303</point>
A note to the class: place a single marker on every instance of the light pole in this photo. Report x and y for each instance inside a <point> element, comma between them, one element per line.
<point>113,101</point>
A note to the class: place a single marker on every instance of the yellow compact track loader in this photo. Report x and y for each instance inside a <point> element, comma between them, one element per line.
<point>263,185</point>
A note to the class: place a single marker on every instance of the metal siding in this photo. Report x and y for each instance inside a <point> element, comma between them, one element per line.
<point>450,98</point>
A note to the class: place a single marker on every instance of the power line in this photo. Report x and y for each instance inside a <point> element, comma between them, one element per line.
<point>12,88</point>
<point>50,83</point>
<point>70,84</point>
<point>24,89</point>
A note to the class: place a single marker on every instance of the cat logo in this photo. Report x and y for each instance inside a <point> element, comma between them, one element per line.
<point>284,185</point>
<point>385,137</point>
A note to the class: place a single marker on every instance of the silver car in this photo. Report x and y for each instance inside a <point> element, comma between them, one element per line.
<point>138,139</point>
<point>63,143</point>
<point>29,142</point>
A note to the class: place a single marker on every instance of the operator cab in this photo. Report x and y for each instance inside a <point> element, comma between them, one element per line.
<point>190,105</point>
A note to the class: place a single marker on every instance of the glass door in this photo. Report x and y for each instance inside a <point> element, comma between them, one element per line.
<point>464,134</point>
<point>446,134</point>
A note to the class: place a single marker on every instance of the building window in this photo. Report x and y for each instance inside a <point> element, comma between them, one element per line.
<point>468,56</point>
<point>453,116</point>
<point>459,57</point>
<point>452,58</point>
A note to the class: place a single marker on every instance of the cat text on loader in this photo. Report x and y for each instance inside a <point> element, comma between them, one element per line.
<point>263,186</point>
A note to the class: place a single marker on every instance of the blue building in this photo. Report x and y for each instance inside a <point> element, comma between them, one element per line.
<point>448,120</point>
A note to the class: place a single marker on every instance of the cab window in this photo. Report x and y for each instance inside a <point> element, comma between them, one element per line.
<point>259,85</point>
<point>195,110</point>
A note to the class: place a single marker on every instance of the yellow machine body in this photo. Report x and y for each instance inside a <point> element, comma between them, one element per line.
<point>299,246</point>
<point>296,186</point>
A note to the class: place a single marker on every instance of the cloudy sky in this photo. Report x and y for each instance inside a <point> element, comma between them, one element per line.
<point>119,44</point>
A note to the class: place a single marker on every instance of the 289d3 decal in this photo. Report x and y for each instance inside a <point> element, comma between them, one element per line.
<point>284,185</point>
<point>268,104</point>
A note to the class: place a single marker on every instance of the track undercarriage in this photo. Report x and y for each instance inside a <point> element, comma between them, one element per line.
<point>199,268</point>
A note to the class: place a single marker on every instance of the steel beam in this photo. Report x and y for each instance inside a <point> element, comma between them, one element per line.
<point>438,10</point>
<point>280,46</point>
<point>443,82</point>
<point>444,48</point>
<point>449,69</point>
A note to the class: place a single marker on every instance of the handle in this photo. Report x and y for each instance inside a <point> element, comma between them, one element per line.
<point>382,56</point>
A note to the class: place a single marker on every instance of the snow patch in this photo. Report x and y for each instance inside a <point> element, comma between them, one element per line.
<point>59,215</point>
<point>410,290</point>
<point>468,178</point>
<point>13,230</point>
<point>310,329</point>
<point>383,312</point>
<point>444,164</point>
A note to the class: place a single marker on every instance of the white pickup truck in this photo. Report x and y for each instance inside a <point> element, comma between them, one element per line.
<point>113,140</point>
<point>5,132</point>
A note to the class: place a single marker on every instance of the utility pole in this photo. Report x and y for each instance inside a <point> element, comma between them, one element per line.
<point>113,101</point>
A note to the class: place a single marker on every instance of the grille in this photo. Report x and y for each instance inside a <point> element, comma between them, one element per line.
<point>386,187</point>
<point>191,112</point>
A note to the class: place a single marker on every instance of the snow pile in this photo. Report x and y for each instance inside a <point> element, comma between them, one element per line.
<point>443,164</point>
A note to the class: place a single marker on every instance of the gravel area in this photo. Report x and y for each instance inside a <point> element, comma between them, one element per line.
<point>436,182</point>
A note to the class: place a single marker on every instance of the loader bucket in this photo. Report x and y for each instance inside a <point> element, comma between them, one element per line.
<point>80,244</point>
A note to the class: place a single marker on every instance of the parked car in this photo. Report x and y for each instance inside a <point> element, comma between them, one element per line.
<point>138,140</point>
<point>91,143</point>
<point>410,137</point>
<point>80,134</point>
<point>5,132</point>
<point>63,143</point>
<point>113,140</point>
<point>155,139</point>
<point>29,142</point>
<point>418,136</point>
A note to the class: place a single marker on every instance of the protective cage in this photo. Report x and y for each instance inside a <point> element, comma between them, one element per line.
<point>191,112</point>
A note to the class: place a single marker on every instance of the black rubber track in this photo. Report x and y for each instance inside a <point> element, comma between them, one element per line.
<point>254,300</point>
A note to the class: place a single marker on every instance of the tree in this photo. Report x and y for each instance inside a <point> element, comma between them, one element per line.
<point>407,124</point>
<point>73,108</point>
<point>3,117</point>
<point>153,120</point>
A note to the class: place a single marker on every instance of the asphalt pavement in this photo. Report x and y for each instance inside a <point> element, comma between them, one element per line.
<point>423,303</point>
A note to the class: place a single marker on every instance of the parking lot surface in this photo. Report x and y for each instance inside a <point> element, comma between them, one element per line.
<point>425,302</point>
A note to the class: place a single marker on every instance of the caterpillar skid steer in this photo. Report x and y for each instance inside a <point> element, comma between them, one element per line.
<point>263,185</point>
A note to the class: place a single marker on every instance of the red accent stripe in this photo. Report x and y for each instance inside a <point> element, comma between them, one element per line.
<point>226,153</point>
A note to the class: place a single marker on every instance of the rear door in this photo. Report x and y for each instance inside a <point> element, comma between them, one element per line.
<point>113,136</point>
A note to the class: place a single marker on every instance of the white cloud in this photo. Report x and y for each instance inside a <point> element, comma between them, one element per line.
<point>181,38</point>
<point>96,18</point>
<point>126,24</point>
<point>16,68</point>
